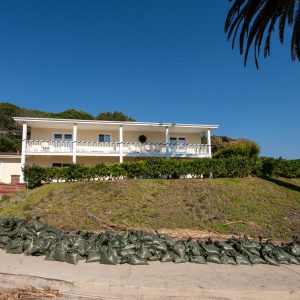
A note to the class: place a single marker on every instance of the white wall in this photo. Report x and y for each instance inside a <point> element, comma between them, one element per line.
<point>9,167</point>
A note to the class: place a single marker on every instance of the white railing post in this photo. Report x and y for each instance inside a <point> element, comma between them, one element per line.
<point>23,154</point>
<point>121,143</point>
<point>74,143</point>
<point>167,141</point>
<point>209,142</point>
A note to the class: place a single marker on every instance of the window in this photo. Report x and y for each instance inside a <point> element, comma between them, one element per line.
<point>203,138</point>
<point>68,137</point>
<point>174,139</point>
<point>57,137</point>
<point>104,138</point>
<point>63,137</point>
<point>60,165</point>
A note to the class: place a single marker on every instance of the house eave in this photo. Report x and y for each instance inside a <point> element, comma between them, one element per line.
<point>32,121</point>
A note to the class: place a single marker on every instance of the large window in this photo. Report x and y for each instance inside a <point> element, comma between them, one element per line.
<point>174,139</point>
<point>104,138</point>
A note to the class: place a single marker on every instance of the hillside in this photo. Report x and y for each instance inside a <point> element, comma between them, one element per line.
<point>269,208</point>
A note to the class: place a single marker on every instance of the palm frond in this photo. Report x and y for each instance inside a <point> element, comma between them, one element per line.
<point>255,20</point>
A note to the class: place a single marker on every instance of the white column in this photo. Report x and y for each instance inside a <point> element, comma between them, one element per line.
<point>167,141</point>
<point>121,143</point>
<point>209,142</point>
<point>74,143</point>
<point>23,154</point>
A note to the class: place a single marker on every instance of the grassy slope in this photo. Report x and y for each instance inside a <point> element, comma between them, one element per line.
<point>198,204</point>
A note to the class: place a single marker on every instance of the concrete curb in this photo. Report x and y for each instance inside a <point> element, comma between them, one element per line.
<point>104,291</point>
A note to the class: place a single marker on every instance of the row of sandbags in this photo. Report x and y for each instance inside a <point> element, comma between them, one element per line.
<point>137,248</point>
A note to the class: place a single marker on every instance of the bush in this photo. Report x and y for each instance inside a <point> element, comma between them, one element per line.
<point>235,166</point>
<point>250,150</point>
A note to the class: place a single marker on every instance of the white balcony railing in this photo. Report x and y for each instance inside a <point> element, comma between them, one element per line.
<point>129,148</point>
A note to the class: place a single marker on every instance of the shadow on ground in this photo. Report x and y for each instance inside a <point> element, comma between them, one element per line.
<point>283,183</point>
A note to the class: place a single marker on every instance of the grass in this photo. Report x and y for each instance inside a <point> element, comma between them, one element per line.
<point>273,207</point>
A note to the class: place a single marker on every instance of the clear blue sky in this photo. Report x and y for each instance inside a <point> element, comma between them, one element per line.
<point>155,60</point>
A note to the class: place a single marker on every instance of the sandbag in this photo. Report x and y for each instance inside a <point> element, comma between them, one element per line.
<point>93,256</point>
<point>225,259</point>
<point>37,225</point>
<point>242,260</point>
<point>210,248</point>
<point>213,258</point>
<point>200,259</point>
<point>143,252</point>
<point>256,259</point>
<point>166,257</point>
<point>134,260</point>
<point>109,256</point>
<point>179,249</point>
<point>71,258</point>
<point>178,259</point>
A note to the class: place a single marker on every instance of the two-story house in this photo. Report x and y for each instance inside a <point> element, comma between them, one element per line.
<point>58,142</point>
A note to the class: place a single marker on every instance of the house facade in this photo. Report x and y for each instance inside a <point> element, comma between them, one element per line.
<point>59,142</point>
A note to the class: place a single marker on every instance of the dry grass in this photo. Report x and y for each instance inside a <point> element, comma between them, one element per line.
<point>28,293</point>
<point>252,206</point>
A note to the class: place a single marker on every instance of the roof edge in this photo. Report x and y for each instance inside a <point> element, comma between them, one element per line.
<point>128,123</point>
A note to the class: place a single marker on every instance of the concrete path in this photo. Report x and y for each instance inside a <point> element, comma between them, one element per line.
<point>155,281</point>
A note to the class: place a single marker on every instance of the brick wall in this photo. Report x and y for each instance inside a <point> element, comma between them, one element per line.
<point>14,186</point>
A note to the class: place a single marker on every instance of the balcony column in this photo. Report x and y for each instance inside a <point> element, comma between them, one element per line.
<point>121,143</point>
<point>167,140</point>
<point>74,143</point>
<point>209,142</point>
<point>23,154</point>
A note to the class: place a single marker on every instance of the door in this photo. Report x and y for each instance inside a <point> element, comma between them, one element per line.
<point>177,144</point>
<point>63,142</point>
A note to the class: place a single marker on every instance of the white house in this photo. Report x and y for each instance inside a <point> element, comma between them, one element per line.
<point>58,142</point>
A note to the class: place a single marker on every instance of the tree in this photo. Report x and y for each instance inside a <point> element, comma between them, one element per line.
<point>254,19</point>
<point>114,116</point>
<point>74,114</point>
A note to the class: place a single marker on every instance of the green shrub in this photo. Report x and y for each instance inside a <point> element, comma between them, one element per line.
<point>245,150</point>
<point>235,166</point>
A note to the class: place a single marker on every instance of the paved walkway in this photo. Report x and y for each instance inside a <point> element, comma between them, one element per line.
<point>156,281</point>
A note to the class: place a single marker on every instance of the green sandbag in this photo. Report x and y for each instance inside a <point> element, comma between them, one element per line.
<point>154,257</point>
<point>4,241</point>
<point>200,259</point>
<point>294,260</point>
<point>49,256</point>
<point>210,248</point>
<point>178,260</point>
<point>242,260</point>
<point>37,225</point>
<point>143,252</point>
<point>166,257</point>
<point>72,258</point>
<point>195,249</point>
<point>126,253</point>
<point>269,260</point>
<point>134,260</point>
<point>109,256</point>
<point>280,255</point>
<point>15,246</point>
<point>253,251</point>
<point>224,246</point>
<point>179,249</point>
<point>93,256</point>
<point>145,236</point>
<point>131,246</point>
<point>225,259</point>
<point>256,259</point>
<point>213,258</point>
<point>59,255</point>
<point>161,247</point>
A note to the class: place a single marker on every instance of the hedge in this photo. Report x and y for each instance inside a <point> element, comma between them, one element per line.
<point>165,168</point>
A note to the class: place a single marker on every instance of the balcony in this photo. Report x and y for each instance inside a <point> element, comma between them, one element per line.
<point>133,149</point>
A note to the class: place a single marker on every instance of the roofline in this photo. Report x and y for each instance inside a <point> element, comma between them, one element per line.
<point>127,123</point>
<point>9,156</point>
